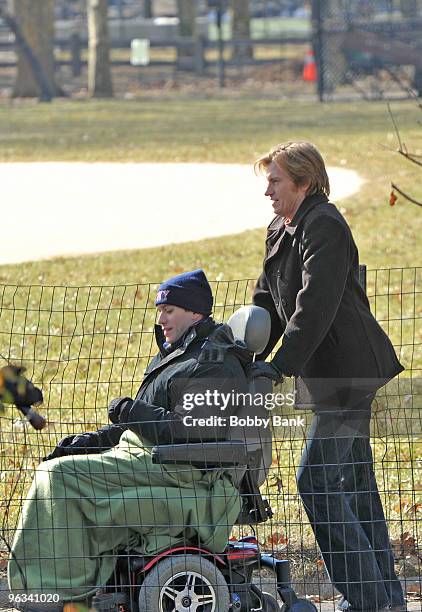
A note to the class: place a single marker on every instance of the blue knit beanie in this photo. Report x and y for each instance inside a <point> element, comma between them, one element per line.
<point>190,290</point>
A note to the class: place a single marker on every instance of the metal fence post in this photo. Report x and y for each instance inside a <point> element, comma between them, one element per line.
<point>362,276</point>
<point>318,46</point>
<point>199,55</point>
<point>221,66</point>
<point>75,51</point>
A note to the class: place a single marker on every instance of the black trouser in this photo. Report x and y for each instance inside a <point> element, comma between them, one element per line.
<point>337,484</point>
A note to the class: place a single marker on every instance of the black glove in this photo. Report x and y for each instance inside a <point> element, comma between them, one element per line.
<point>148,421</point>
<point>265,369</point>
<point>60,450</point>
<point>17,389</point>
<point>141,412</point>
<point>87,443</point>
<point>116,406</point>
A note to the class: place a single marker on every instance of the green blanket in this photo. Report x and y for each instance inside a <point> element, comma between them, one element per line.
<point>81,510</point>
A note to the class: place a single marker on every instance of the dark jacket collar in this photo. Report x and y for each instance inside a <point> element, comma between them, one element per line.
<point>218,334</point>
<point>307,205</point>
<point>201,330</point>
<point>197,332</point>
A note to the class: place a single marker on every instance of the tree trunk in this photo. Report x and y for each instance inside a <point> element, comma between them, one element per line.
<point>241,29</point>
<point>99,72</point>
<point>35,19</point>
<point>187,29</point>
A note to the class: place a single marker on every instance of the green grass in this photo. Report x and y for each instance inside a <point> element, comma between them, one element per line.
<point>85,344</point>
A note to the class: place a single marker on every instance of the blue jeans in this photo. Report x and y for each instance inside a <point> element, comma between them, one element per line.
<point>337,484</point>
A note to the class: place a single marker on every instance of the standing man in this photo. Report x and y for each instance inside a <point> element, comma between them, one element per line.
<point>340,356</point>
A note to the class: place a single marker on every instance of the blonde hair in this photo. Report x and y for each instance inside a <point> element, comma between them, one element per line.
<point>302,161</point>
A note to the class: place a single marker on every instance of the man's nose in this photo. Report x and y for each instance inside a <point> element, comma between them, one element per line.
<point>161,318</point>
<point>268,191</point>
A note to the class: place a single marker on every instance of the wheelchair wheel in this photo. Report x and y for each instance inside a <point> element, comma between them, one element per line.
<point>269,604</point>
<point>182,583</point>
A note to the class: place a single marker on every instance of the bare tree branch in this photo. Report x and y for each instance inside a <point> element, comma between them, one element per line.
<point>411,157</point>
<point>402,150</point>
<point>405,195</point>
<point>393,121</point>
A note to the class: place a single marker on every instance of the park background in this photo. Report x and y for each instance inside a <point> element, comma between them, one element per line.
<point>226,103</point>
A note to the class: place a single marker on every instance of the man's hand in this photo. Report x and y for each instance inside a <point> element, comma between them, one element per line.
<point>116,406</point>
<point>267,370</point>
<point>87,443</point>
<point>60,450</point>
<point>17,389</point>
<point>142,412</point>
<point>73,445</point>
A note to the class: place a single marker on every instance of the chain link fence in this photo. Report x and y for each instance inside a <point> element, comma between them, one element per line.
<point>87,345</point>
<point>369,48</point>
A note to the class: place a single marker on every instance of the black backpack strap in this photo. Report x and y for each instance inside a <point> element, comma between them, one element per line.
<point>212,352</point>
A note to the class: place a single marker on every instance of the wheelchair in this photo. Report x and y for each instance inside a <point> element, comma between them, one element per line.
<point>188,577</point>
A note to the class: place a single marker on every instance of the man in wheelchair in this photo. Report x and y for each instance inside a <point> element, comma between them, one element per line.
<point>101,492</point>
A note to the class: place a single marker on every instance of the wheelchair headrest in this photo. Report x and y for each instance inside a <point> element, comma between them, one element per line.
<point>252,325</point>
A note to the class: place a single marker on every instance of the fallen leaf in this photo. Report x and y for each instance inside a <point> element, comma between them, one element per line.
<point>412,508</point>
<point>279,484</point>
<point>277,538</point>
<point>413,589</point>
<point>404,545</point>
<point>393,198</point>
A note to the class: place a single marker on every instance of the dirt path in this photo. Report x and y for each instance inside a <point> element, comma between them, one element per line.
<point>77,208</point>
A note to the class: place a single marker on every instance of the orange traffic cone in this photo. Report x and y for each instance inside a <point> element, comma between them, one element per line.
<point>309,67</point>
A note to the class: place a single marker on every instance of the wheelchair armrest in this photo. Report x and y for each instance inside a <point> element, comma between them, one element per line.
<point>202,454</point>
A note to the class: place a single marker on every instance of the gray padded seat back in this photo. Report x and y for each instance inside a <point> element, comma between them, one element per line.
<point>252,325</point>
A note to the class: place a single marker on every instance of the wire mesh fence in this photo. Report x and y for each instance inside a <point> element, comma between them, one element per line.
<point>370,49</point>
<point>87,345</point>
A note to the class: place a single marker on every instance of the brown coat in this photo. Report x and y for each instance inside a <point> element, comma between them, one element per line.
<point>310,286</point>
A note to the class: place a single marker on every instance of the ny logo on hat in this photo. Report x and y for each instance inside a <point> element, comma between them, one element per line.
<point>161,295</point>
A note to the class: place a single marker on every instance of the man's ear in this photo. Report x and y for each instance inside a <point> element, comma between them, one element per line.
<point>305,186</point>
<point>197,316</point>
